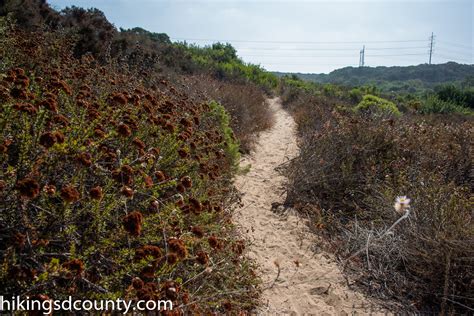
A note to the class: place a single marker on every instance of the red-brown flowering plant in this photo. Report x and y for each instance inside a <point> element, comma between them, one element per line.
<point>132,223</point>
<point>96,193</point>
<point>28,188</point>
<point>70,194</point>
<point>76,266</point>
<point>178,247</point>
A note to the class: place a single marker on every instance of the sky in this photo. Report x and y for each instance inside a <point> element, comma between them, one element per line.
<point>308,36</point>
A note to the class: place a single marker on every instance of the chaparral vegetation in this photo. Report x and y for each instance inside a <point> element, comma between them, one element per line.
<point>118,149</point>
<point>357,155</point>
<point>117,165</point>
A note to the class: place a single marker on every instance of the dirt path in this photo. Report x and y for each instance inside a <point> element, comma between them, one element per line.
<point>280,237</point>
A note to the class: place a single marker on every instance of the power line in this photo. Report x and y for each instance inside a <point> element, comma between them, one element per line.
<point>453,51</point>
<point>327,49</point>
<point>310,64</point>
<point>405,59</point>
<point>299,56</point>
<point>465,50</point>
<point>330,56</point>
<point>399,51</point>
<point>460,45</point>
<point>395,55</point>
<point>291,42</point>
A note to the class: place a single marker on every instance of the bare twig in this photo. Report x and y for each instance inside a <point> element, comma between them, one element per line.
<point>277,264</point>
<point>96,287</point>
<point>462,305</point>
<point>407,213</point>
<point>367,250</point>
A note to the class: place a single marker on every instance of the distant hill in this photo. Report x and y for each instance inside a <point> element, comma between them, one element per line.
<point>408,79</point>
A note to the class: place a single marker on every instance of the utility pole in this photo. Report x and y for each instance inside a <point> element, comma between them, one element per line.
<point>431,46</point>
<point>362,57</point>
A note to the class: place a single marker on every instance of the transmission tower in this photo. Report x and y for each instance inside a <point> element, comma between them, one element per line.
<point>362,57</point>
<point>431,46</point>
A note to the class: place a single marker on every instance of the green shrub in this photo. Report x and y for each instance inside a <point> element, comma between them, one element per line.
<point>434,104</point>
<point>221,61</point>
<point>230,145</point>
<point>461,96</point>
<point>376,105</point>
<point>356,95</point>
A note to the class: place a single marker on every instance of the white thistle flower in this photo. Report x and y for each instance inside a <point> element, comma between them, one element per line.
<point>402,203</point>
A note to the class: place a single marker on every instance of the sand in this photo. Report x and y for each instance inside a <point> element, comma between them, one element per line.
<point>279,237</point>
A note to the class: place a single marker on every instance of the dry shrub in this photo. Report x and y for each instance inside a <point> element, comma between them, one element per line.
<point>427,262</point>
<point>339,163</point>
<point>245,102</point>
<point>352,167</point>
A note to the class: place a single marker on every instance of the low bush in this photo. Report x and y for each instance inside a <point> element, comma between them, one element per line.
<point>376,105</point>
<point>434,104</point>
<point>356,95</point>
<point>229,142</point>
<point>114,184</point>
<point>221,61</point>
<point>245,102</point>
<point>426,260</point>
<point>349,172</point>
<point>461,96</point>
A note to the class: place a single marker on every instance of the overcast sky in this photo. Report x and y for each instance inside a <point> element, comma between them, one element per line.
<point>307,36</point>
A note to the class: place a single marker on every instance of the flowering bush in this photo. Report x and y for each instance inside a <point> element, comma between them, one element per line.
<point>113,183</point>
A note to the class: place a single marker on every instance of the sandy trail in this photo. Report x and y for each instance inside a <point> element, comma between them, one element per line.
<point>317,286</point>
